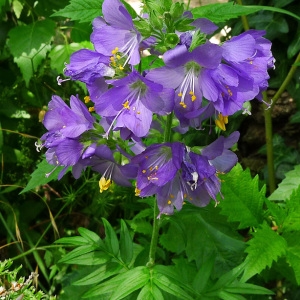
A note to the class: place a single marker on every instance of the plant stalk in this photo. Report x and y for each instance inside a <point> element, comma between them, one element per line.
<point>156,220</point>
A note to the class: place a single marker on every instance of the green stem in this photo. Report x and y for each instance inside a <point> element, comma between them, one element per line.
<point>244,18</point>
<point>156,221</point>
<point>269,145</point>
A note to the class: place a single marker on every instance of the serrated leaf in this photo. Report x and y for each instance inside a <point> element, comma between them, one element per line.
<point>29,64</point>
<point>100,274</point>
<point>38,177</point>
<point>243,201</point>
<point>221,12</point>
<point>292,220</point>
<point>126,244</point>
<point>165,284</point>
<point>265,247</point>
<point>150,292</point>
<point>288,185</point>
<point>23,39</point>
<point>276,212</point>
<point>111,240</point>
<point>82,10</point>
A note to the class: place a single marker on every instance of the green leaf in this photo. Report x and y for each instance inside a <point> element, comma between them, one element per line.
<point>264,248</point>
<point>82,10</point>
<point>288,185</point>
<point>243,201</point>
<point>126,244</point>
<point>24,39</point>
<point>29,64</point>
<point>100,274</point>
<point>38,177</point>
<point>90,235</point>
<point>60,55</point>
<point>135,279</point>
<point>165,284</point>
<point>247,288</point>
<point>221,12</point>
<point>86,255</point>
<point>276,212</point>
<point>292,220</point>
<point>150,292</point>
<point>73,241</point>
<point>111,240</point>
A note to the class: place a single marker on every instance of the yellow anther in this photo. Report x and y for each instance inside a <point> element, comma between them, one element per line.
<point>87,99</point>
<point>169,202</point>
<point>91,109</point>
<point>121,68</point>
<point>118,56</point>
<point>115,51</point>
<point>191,92</point>
<point>221,122</point>
<point>104,184</point>
<point>171,196</point>
<point>180,94</point>
<point>137,191</point>
<point>194,98</point>
<point>112,58</point>
<point>126,105</point>
<point>144,171</point>
<point>182,104</point>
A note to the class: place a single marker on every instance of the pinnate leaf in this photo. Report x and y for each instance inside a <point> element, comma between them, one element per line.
<point>111,240</point>
<point>126,244</point>
<point>264,248</point>
<point>82,10</point>
<point>243,201</point>
<point>288,185</point>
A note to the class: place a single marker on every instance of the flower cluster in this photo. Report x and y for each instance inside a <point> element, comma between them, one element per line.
<point>185,78</point>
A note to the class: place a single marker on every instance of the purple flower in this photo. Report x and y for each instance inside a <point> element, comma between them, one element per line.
<point>132,101</point>
<point>183,73</point>
<point>66,126</point>
<point>175,174</point>
<point>87,66</point>
<point>116,33</point>
<point>103,162</point>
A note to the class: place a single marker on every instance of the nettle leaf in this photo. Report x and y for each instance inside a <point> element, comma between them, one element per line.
<point>82,10</point>
<point>292,220</point>
<point>221,12</point>
<point>38,177</point>
<point>288,185</point>
<point>243,201</point>
<point>293,252</point>
<point>265,247</point>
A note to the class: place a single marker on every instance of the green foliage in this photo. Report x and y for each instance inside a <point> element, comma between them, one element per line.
<point>82,10</point>
<point>244,201</point>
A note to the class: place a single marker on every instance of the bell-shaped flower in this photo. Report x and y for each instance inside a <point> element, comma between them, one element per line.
<point>131,102</point>
<point>115,34</point>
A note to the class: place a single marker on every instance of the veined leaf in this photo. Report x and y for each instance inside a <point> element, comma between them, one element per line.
<point>264,248</point>
<point>247,288</point>
<point>243,201</point>
<point>112,285</point>
<point>82,10</point>
<point>288,185</point>
<point>150,292</point>
<point>73,241</point>
<point>165,284</point>
<point>90,235</point>
<point>38,177</point>
<point>100,274</point>
<point>111,240</point>
<point>23,39</point>
<point>221,12</point>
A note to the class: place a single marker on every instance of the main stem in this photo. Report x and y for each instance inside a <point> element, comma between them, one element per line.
<point>156,221</point>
